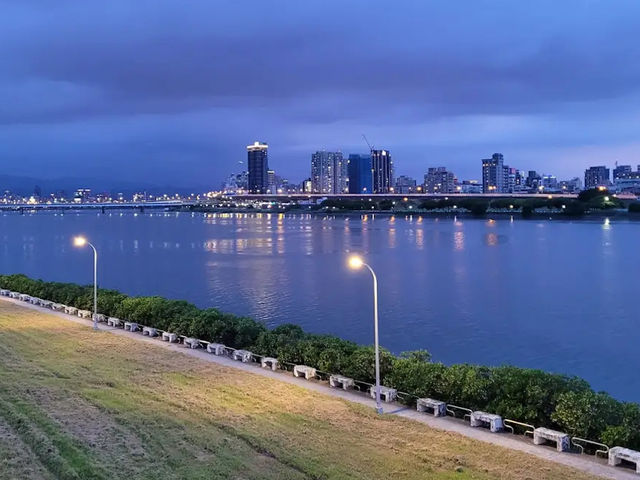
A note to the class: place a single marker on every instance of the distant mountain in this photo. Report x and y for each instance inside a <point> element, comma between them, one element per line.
<point>27,185</point>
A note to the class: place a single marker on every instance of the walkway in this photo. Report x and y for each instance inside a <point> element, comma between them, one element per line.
<point>581,462</point>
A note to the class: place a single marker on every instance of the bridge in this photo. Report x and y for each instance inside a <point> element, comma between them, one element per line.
<point>103,206</point>
<point>283,197</point>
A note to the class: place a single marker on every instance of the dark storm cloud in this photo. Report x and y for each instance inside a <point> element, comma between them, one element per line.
<point>190,83</point>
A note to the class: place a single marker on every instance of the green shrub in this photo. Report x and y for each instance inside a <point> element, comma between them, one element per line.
<point>532,396</point>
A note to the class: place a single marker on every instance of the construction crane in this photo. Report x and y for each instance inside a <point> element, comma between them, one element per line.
<point>368,144</point>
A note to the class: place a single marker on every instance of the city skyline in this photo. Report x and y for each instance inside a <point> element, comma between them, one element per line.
<point>85,93</point>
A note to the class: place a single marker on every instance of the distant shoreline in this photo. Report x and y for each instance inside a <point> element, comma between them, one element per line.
<point>458,213</point>
<point>517,214</point>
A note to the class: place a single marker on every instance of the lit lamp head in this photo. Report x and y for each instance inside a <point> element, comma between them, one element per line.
<point>79,241</point>
<point>355,262</point>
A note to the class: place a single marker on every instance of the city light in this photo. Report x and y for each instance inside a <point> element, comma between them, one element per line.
<point>355,262</point>
<point>79,241</point>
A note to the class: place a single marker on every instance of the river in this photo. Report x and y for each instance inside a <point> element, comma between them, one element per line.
<point>549,294</point>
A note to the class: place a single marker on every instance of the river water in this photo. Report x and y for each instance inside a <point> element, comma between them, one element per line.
<point>550,294</point>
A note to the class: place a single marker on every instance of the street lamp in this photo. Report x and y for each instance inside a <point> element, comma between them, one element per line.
<point>81,242</point>
<point>356,263</point>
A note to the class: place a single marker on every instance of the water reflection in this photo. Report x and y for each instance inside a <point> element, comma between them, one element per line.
<point>475,276</point>
<point>458,240</point>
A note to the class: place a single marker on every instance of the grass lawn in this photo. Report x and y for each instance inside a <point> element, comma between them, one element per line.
<point>79,404</point>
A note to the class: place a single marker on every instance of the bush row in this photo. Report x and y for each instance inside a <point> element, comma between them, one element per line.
<point>527,395</point>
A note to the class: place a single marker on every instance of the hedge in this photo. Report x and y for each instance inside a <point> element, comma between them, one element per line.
<point>533,396</point>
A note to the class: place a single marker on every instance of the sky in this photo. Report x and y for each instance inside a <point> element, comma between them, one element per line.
<point>171,92</point>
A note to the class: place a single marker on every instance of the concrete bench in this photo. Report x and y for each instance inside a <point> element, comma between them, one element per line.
<point>114,322</point>
<point>434,407</point>
<point>561,439</point>
<point>150,332</point>
<point>618,454</point>
<point>242,355</point>
<point>46,303</point>
<point>493,421</point>
<point>25,298</point>
<point>216,348</point>
<point>131,326</point>
<point>4,293</point>
<point>386,394</point>
<point>14,294</point>
<point>192,342</point>
<point>58,307</point>
<point>100,317</point>
<point>269,362</point>
<point>71,310</point>
<point>304,371</point>
<point>35,301</point>
<point>338,381</point>
<point>170,337</point>
<point>84,314</point>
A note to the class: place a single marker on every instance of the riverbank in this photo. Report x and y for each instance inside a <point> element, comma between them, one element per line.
<point>82,404</point>
<point>620,214</point>
<point>538,398</point>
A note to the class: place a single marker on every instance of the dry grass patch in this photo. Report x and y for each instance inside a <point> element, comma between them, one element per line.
<point>133,410</point>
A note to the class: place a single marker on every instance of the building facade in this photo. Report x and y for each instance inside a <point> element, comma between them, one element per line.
<point>439,180</point>
<point>405,184</point>
<point>360,173</point>
<point>258,163</point>
<point>495,177</point>
<point>329,173</point>
<point>595,177</point>
<point>570,186</point>
<point>621,171</point>
<point>382,171</point>
<point>272,182</point>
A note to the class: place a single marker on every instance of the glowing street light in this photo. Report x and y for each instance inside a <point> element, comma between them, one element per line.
<point>81,242</point>
<point>356,263</point>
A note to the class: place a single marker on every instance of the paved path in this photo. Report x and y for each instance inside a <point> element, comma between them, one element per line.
<point>585,463</point>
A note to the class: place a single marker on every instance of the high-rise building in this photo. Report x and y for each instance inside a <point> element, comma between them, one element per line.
<point>272,182</point>
<point>258,163</point>
<point>550,182</point>
<point>533,180</point>
<point>329,173</point>
<point>405,184</point>
<point>621,171</point>
<point>596,177</point>
<point>493,174</point>
<point>360,173</point>
<point>382,171</point>
<point>439,180</point>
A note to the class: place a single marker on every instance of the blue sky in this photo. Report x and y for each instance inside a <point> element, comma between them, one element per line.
<point>172,91</point>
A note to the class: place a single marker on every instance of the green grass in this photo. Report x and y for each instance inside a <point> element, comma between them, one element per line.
<point>86,405</point>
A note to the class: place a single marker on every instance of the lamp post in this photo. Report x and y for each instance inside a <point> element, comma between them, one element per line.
<point>81,242</point>
<point>356,263</point>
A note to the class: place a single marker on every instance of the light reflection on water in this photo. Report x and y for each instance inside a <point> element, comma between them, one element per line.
<point>546,294</point>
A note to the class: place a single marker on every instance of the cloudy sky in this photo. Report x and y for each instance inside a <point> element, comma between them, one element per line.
<point>172,91</point>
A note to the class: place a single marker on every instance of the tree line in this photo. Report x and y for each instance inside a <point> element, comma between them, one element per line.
<point>532,396</point>
<point>588,200</point>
